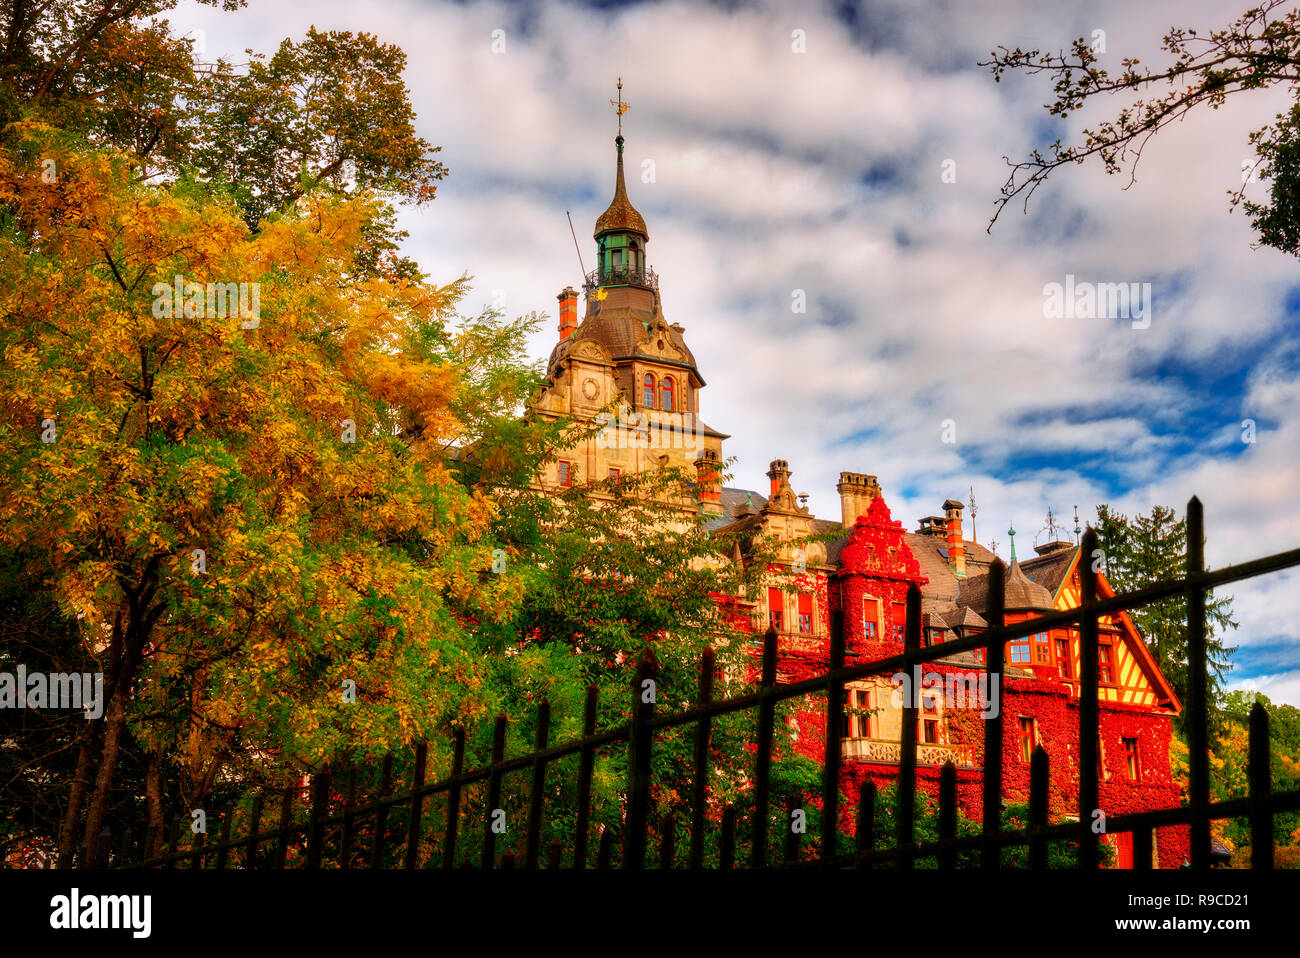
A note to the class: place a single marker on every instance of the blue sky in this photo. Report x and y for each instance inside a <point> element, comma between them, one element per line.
<point>776,171</point>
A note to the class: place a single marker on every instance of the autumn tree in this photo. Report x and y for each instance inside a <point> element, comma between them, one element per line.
<point>252,504</point>
<point>330,111</point>
<point>1258,50</point>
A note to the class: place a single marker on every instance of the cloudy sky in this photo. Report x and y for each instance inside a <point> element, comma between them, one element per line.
<point>761,170</point>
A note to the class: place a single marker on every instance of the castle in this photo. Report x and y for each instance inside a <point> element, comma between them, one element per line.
<point>624,352</point>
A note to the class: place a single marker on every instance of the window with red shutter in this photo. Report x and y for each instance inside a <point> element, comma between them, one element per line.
<point>870,619</point>
<point>805,613</point>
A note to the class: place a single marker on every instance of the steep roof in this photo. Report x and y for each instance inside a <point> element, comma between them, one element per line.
<point>621,214</point>
<point>1050,570</point>
<point>627,317</point>
<point>1021,592</point>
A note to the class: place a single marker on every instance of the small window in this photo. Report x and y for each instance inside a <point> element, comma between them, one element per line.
<point>1131,766</point>
<point>900,620</point>
<point>857,723</point>
<point>776,609</point>
<point>1105,667</point>
<point>870,619</point>
<point>805,613</point>
<point>649,397</point>
<point>1019,651</point>
<point>566,473</point>
<point>1042,650</point>
<point>1028,738</point>
<point>666,393</point>
<point>927,730</point>
<point>1063,658</point>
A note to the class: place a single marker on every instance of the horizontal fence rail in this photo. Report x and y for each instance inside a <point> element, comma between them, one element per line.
<point>324,820</point>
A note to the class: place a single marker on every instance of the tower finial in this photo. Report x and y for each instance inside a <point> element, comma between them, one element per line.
<point>619,106</point>
<point>1077,530</point>
<point>1012,533</point>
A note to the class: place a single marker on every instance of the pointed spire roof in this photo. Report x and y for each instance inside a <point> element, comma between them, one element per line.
<point>621,214</point>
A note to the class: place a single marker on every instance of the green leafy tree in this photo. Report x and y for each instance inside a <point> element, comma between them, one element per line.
<point>1258,50</point>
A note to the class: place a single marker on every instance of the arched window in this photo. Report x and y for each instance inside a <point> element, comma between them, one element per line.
<point>666,392</point>
<point>649,391</point>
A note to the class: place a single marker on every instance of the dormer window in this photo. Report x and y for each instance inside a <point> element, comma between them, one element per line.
<point>649,389</point>
<point>666,392</point>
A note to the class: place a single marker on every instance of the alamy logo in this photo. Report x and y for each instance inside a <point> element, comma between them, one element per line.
<point>53,690</point>
<point>75,910</point>
<point>208,301</point>
<point>1098,301</point>
<point>958,690</point>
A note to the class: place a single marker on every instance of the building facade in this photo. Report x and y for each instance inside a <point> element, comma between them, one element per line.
<point>625,355</point>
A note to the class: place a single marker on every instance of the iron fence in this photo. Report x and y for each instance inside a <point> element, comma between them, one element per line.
<point>351,821</point>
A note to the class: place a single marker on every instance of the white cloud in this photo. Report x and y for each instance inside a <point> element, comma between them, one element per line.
<point>821,171</point>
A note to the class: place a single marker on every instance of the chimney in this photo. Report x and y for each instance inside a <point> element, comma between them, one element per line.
<point>856,491</point>
<point>708,481</point>
<point>956,548</point>
<point>568,311</point>
<point>779,473</point>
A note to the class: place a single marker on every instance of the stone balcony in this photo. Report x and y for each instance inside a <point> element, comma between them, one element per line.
<point>881,752</point>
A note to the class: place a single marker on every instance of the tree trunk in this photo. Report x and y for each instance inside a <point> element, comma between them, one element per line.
<point>107,759</point>
<point>153,802</point>
<point>80,783</point>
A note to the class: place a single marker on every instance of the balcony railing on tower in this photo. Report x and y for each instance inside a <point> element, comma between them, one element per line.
<point>622,276</point>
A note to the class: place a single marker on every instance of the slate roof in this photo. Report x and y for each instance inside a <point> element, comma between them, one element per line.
<point>1020,592</point>
<point>1050,570</point>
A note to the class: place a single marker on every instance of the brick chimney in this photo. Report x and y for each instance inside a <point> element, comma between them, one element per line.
<point>856,491</point>
<point>568,311</point>
<point>779,473</point>
<point>956,548</point>
<point>708,479</point>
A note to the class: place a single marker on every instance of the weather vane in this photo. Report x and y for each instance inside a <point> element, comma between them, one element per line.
<point>619,106</point>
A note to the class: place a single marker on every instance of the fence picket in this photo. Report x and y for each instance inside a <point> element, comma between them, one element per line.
<point>538,791</point>
<point>700,785</point>
<point>911,715</point>
<point>381,814</point>
<point>453,798</point>
<point>763,755</point>
<point>947,813</point>
<point>320,800</point>
<point>417,806</point>
<point>834,756</point>
<point>994,664</point>
<point>1039,769</point>
<point>586,763</point>
<point>493,793</point>
<point>1089,743</point>
<point>1196,724</point>
<point>866,837</point>
<point>1259,790</point>
<point>639,741</point>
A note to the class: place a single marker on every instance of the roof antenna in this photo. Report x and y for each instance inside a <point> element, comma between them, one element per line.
<point>576,248</point>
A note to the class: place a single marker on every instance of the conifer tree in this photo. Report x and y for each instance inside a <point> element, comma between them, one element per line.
<point>1146,548</point>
